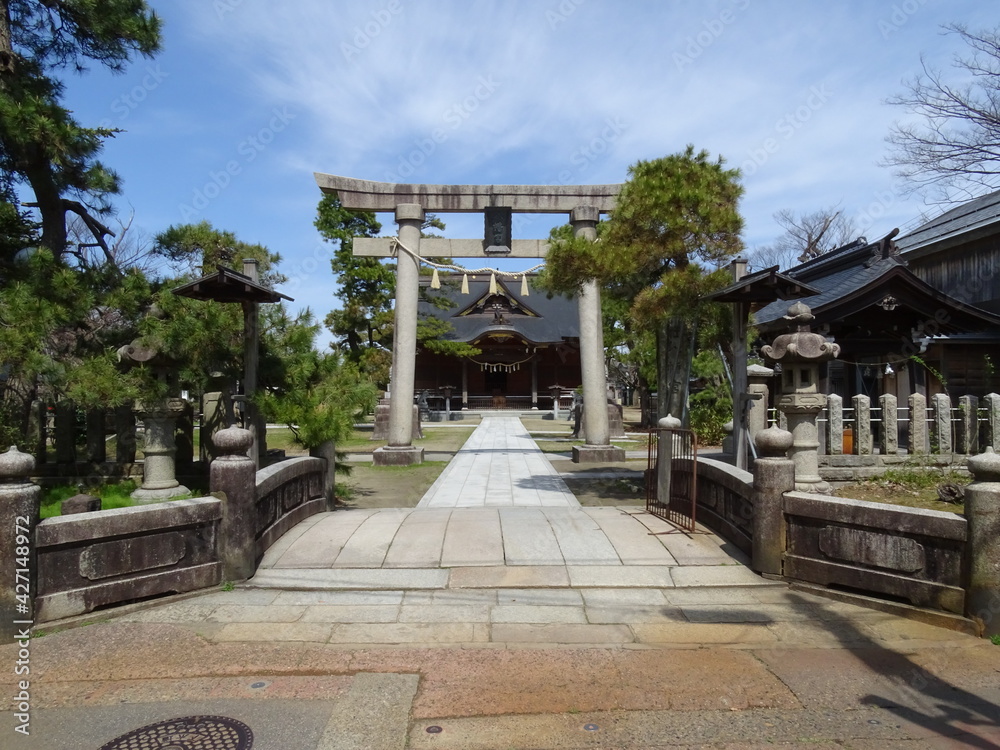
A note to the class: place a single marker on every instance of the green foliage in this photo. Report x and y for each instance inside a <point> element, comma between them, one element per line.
<point>712,406</point>
<point>921,478</point>
<point>59,330</point>
<point>318,395</point>
<point>995,639</point>
<point>365,285</point>
<point>113,495</point>
<point>41,145</point>
<point>196,249</point>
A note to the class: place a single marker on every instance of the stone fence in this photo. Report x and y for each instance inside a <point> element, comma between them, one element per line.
<point>944,564</point>
<point>70,565</point>
<point>862,427</point>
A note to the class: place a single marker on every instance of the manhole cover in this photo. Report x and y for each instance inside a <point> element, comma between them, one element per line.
<point>187,733</point>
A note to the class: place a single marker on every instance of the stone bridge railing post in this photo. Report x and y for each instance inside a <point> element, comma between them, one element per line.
<point>773,476</point>
<point>20,500</point>
<point>234,474</point>
<point>982,511</point>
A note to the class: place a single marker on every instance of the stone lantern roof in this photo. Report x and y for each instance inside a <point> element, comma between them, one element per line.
<point>802,345</point>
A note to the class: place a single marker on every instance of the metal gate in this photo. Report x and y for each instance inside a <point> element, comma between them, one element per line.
<point>673,463</point>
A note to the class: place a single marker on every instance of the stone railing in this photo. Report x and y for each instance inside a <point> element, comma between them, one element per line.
<point>945,564</point>
<point>907,553</point>
<point>725,502</point>
<point>92,560</point>
<point>933,560</point>
<point>287,492</point>
<point>70,565</point>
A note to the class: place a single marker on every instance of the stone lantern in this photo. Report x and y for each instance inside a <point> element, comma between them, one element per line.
<point>159,480</point>
<point>800,354</point>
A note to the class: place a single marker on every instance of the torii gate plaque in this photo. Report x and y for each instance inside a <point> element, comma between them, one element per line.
<point>583,203</point>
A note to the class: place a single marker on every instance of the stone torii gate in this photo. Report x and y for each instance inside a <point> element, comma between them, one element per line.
<point>583,203</point>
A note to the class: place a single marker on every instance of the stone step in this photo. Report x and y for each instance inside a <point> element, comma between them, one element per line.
<point>509,576</point>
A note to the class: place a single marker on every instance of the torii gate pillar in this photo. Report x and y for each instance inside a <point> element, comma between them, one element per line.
<point>597,434</point>
<point>400,451</point>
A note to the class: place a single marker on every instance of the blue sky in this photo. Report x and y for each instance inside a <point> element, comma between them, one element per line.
<point>248,98</point>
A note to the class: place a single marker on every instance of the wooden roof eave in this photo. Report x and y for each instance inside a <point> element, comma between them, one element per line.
<point>916,293</point>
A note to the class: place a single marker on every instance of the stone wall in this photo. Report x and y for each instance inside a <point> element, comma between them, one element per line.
<point>91,560</point>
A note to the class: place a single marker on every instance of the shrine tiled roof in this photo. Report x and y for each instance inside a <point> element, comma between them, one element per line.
<point>538,318</point>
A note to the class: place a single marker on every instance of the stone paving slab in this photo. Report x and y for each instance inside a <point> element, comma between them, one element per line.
<point>345,578</point>
<point>508,577</point>
<point>374,715</point>
<point>501,466</point>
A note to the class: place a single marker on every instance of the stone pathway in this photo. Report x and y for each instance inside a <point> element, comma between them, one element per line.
<point>499,465</point>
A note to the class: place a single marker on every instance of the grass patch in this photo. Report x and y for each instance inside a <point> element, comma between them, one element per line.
<point>995,640</point>
<point>910,487</point>
<point>372,486</point>
<point>438,439</point>
<point>113,495</point>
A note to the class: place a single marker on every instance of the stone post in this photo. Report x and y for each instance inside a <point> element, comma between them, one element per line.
<point>556,391</point>
<point>20,499</point>
<point>741,311</point>
<point>328,452</point>
<point>890,425</point>
<point>917,442</point>
<point>97,450</point>
<point>184,440</point>
<point>834,425</point>
<point>758,377</point>
<point>666,440</point>
<point>65,432</point>
<point>125,434</point>
<point>216,413</point>
<point>862,424</point>
<point>773,476</point>
<point>941,403</point>
<point>597,433</point>
<point>800,354</point>
<point>534,382</point>
<point>159,478</point>
<point>968,431</point>
<point>400,450</point>
<point>982,511</point>
<point>38,431</point>
<point>234,475</point>
<point>993,419</point>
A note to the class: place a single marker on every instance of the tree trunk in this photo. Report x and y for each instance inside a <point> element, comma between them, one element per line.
<point>674,352</point>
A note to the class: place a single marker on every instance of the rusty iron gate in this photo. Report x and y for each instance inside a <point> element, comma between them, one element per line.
<point>680,508</point>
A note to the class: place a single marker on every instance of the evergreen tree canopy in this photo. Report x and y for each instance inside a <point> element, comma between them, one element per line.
<point>42,146</point>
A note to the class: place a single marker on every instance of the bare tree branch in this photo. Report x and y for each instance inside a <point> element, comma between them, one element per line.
<point>955,143</point>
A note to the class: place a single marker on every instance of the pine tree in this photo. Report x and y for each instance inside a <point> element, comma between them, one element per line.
<point>42,146</point>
